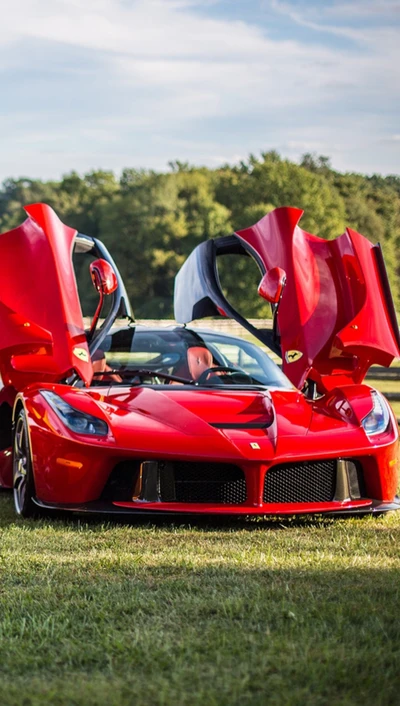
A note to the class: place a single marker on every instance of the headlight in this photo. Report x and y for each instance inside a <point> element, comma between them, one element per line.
<point>378,419</point>
<point>77,421</point>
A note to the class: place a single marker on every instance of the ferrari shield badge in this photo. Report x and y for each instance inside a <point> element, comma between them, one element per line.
<point>292,356</point>
<point>82,354</point>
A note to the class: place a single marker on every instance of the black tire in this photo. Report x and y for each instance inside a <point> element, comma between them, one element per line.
<point>23,481</point>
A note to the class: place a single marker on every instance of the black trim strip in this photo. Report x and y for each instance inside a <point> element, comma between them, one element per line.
<point>240,425</point>
<point>98,508</point>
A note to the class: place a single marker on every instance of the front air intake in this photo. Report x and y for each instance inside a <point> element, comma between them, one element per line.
<point>301,482</point>
<point>187,482</point>
<point>177,482</point>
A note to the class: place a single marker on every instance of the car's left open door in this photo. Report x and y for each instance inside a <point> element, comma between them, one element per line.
<point>42,333</point>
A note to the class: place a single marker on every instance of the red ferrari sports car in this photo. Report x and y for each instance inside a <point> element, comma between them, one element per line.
<point>179,420</point>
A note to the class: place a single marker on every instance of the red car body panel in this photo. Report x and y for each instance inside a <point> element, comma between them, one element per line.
<point>335,315</point>
<point>73,470</point>
<point>40,313</point>
<point>337,323</point>
<point>333,309</point>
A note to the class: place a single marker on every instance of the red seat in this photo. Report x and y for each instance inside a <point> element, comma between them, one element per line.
<point>199,359</point>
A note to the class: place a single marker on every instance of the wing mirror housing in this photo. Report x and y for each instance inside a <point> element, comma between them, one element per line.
<point>103,277</point>
<point>272,285</point>
<point>105,282</point>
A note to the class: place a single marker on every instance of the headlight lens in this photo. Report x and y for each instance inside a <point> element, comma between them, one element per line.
<point>77,421</point>
<point>378,419</point>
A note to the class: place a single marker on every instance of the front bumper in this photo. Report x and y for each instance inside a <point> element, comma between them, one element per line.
<point>354,507</point>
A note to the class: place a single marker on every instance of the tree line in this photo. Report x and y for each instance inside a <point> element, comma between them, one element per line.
<point>151,221</point>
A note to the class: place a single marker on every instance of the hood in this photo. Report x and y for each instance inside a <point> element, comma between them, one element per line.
<point>188,423</point>
<point>41,327</point>
<point>224,424</point>
<point>250,425</point>
<point>335,317</point>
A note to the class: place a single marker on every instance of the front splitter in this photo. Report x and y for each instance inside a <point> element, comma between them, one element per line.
<point>356,507</point>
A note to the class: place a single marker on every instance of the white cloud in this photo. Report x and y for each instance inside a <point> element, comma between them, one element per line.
<point>144,28</point>
<point>392,138</point>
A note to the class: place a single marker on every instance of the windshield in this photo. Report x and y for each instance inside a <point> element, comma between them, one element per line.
<point>183,356</point>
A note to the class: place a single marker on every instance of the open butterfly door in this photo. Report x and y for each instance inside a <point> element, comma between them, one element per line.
<point>42,334</point>
<point>334,314</point>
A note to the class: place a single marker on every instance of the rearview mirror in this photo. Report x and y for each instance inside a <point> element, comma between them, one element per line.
<point>103,277</point>
<point>272,284</point>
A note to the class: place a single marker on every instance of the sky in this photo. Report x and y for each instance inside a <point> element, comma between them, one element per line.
<point>88,84</point>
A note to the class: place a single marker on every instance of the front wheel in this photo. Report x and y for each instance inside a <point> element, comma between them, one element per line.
<point>23,482</point>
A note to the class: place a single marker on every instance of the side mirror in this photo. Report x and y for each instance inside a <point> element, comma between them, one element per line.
<point>105,282</point>
<point>272,284</point>
<point>103,277</point>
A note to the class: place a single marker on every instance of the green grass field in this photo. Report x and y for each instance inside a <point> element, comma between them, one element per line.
<point>250,613</point>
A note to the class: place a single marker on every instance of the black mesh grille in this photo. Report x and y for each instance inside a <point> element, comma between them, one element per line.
<point>203,483</point>
<point>310,481</point>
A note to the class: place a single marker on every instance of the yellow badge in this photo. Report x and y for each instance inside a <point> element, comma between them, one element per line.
<point>254,445</point>
<point>292,356</point>
<point>82,354</point>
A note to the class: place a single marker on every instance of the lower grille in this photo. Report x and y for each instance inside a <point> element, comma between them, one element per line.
<point>186,482</point>
<point>182,482</point>
<point>309,481</point>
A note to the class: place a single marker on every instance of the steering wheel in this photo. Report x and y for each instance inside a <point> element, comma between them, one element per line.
<point>220,369</point>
